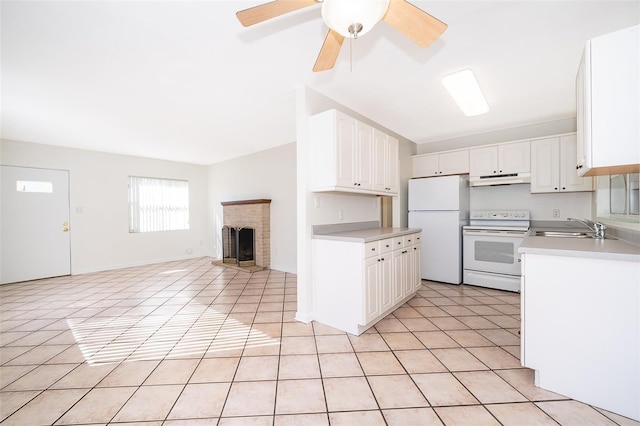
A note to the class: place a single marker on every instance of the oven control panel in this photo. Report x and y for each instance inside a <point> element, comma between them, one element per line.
<point>499,215</point>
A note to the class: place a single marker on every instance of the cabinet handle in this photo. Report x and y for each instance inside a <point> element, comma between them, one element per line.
<point>555,189</point>
<point>500,171</point>
<point>382,259</point>
<point>494,171</point>
<point>563,188</point>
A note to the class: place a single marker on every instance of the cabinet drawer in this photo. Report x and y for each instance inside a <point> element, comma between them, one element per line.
<point>417,239</point>
<point>398,243</point>
<point>386,245</point>
<point>409,240</point>
<point>371,249</point>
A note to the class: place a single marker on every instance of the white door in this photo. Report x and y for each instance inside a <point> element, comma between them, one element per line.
<point>34,224</point>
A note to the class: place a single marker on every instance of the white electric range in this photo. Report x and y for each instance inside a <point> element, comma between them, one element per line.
<point>490,248</point>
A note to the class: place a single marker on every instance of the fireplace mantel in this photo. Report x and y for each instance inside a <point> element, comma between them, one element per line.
<point>241,202</point>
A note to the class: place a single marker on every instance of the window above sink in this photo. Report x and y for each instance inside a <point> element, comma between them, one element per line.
<point>618,200</point>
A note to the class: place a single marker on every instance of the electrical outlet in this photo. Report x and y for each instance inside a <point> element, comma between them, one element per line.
<point>340,214</point>
<point>556,213</point>
<point>316,201</point>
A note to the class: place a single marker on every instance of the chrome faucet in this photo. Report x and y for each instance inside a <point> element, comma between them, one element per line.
<point>596,227</point>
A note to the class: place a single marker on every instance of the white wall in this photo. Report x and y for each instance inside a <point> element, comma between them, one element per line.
<point>269,174</point>
<point>100,237</point>
<point>518,197</point>
<point>531,131</point>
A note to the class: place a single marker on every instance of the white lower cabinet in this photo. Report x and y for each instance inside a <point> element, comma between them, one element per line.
<point>356,284</point>
<point>580,328</point>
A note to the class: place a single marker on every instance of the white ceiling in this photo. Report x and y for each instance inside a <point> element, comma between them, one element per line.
<point>183,80</point>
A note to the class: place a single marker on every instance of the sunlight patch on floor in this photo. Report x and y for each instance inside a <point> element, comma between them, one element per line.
<point>190,332</point>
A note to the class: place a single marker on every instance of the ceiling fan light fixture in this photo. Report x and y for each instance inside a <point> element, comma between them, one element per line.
<point>353,18</point>
<point>464,89</point>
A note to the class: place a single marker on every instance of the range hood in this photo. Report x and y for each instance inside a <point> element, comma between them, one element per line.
<point>504,179</point>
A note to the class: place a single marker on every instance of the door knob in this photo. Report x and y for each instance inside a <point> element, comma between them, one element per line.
<point>65,227</point>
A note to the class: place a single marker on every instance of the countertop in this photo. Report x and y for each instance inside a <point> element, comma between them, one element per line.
<point>610,249</point>
<point>366,235</point>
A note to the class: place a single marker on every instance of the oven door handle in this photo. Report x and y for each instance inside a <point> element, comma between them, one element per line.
<point>485,233</point>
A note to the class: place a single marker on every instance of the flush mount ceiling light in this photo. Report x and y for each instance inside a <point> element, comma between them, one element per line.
<point>464,89</point>
<point>353,18</point>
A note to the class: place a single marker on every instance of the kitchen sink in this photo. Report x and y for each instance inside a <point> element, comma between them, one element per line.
<point>566,234</point>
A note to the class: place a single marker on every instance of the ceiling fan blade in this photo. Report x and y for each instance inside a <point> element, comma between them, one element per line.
<point>257,14</point>
<point>413,22</point>
<point>329,52</point>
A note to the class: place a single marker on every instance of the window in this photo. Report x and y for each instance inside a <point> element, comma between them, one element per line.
<point>618,197</point>
<point>158,204</point>
<point>34,186</point>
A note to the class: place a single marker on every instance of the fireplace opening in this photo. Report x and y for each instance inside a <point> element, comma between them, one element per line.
<point>238,246</point>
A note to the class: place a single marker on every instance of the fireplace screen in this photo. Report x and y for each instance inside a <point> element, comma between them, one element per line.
<point>238,246</point>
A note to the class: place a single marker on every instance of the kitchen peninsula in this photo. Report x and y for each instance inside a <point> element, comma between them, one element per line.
<point>362,272</point>
<point>581,319</point>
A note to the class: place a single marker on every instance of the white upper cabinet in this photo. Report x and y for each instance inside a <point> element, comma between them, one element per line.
<point>442,163</point>
<point>608,104</point>
<point>508,158</point>
<point>385,160</point>
<point>351,156</point>
<point>552,168</point>
<point>363,157</point>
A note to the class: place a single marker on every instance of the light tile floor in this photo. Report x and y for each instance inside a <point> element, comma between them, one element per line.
<point>191,343</point>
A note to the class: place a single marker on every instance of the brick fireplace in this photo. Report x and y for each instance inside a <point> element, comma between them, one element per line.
<point>253,214</point>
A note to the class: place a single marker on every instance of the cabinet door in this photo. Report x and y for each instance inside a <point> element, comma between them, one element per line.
<point>407,266</point>
<point>425,165</point>
<point>385,278</point>
<point>583,115</point>
<point>454,163</point>
<point>380,153</point>
<point>398,275</point>
<point>345,127</point>
<point>391,166</point>
<point>364,157</point>
<point>514,157</point>
<point>371,299</point>
<point>569,179</point>
<point>615,99</point>
<point>483,161</point>
<point>416,277</point>
<point>545,165</point>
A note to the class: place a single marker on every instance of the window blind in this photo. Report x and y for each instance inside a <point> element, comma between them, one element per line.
<point>158,204</point>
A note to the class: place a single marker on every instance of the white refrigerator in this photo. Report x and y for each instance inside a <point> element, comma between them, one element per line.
<point>440,206</point>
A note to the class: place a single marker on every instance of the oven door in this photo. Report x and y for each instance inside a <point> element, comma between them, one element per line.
<point>492,251</point>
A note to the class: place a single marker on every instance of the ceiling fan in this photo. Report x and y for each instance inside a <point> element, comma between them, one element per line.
<point>353,18</point>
